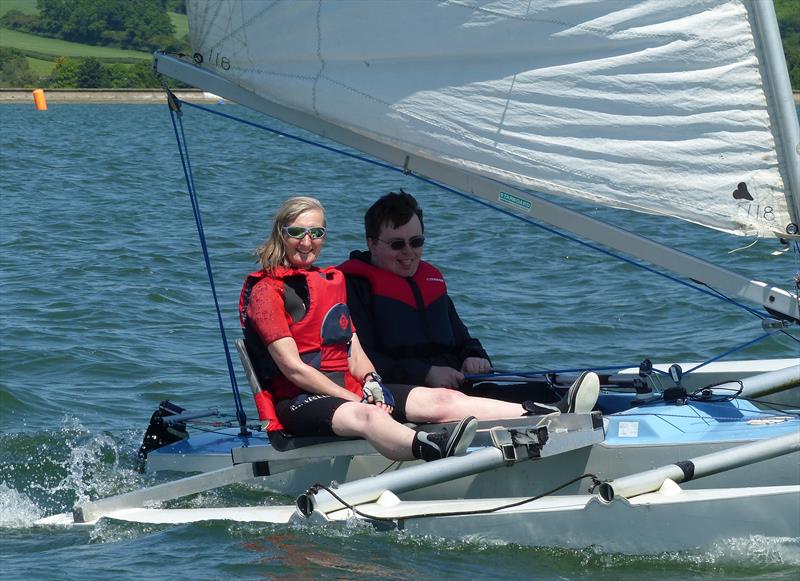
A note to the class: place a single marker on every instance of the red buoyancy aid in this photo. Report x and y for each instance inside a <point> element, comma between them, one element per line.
<point>403,321</point>
<point>385,283</point>
<point>322,334</point>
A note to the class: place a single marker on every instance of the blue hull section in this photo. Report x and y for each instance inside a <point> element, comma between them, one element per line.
<point>655,424</point>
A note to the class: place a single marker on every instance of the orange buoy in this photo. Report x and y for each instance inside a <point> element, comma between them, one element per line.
<point>39,100</point>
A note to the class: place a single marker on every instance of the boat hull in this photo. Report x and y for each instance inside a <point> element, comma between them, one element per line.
<point>650,523</point>
<point>636,440</point>
<point>669,520</point>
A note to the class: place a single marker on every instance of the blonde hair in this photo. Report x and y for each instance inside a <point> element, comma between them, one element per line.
<point>272,252</point>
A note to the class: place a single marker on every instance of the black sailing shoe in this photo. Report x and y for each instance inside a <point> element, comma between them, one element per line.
<point>443,444</point>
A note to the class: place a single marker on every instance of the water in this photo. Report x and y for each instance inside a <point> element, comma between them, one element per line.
<point>106,311</point>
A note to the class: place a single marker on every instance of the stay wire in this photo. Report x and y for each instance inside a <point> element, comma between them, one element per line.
<point>316,487</point>
<point>183,150</point>
<point>710,291</point>
<point>728,352</point>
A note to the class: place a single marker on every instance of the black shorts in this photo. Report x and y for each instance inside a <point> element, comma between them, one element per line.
<point>311,414</point>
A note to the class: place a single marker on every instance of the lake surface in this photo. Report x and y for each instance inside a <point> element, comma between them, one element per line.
<point>106,310</point>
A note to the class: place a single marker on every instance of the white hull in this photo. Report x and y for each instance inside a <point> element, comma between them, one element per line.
<point>643,513</point>
<point>669,520</point>
<point>532,478</point>
<point>633,443</point>
<point>635,440</point>
<point>650,523</point>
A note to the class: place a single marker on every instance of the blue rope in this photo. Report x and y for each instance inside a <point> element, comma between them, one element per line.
<point>537,373</point>
<point>742,346</point>
<point>708,291</point>
<point>183,149</point>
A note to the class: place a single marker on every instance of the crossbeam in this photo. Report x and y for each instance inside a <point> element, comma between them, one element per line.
<point>91,511</point>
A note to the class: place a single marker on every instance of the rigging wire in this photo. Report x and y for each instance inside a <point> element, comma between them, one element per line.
<point>738,348</point>
<point>176,116</point>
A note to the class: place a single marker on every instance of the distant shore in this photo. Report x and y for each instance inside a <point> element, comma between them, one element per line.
<point>126,96</point>
<point>105,96</point>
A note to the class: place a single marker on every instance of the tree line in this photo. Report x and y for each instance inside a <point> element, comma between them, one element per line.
<point>127,24</point>
<point>83,73</point>
<point>788,13</point>
<point>142,25</point>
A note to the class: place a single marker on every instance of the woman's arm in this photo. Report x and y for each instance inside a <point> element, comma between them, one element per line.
<point>287,358</point>
<point>360,366</point>
<point>359,363</point>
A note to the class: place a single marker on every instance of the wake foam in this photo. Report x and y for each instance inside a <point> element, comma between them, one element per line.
<point>16,509</point>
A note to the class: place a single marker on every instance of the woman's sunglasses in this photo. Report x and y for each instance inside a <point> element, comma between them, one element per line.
<point>299,232</point>
<point>399,243</point>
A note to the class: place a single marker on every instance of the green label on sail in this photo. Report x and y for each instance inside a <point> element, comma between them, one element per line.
<point>514,200</point>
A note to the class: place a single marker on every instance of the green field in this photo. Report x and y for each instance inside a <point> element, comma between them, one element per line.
<point>179,21</point>
<point>41,52</point>
<point>39,67</point>
<point>24,6</point>
<point>49,48</point>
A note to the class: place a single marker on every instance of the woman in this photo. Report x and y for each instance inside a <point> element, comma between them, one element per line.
<point>319,380</point>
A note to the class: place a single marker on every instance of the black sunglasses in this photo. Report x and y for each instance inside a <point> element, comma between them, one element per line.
<point>399,243</point>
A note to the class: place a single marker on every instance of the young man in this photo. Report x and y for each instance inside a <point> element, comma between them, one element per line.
<point>407,323</point>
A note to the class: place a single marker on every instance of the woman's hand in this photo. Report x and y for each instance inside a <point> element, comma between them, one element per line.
<point>377,394</point>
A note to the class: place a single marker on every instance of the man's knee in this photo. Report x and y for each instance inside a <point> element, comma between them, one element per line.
<point>435,396</point>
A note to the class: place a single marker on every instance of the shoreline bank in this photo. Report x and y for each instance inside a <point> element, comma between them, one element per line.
<point>106,96</point>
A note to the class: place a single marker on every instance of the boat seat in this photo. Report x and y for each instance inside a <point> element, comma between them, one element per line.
<point>280,440</point>
<point>249,370</point>
<point>283,441</point>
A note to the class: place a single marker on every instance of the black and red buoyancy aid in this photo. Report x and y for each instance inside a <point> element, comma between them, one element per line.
<point>410,314</point>
<point>320,326</point>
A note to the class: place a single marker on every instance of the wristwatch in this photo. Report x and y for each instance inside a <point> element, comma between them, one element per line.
<point>374,375</point>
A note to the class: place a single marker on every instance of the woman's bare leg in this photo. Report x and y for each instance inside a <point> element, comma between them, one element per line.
<point>389,437</point>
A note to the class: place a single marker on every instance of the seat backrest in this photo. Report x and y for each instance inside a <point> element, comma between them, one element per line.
<point>252,378</point>
<point>280,439</point>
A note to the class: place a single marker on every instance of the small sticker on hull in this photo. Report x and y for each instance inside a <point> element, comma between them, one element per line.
<point>514,200</point>
<point>628,430</point>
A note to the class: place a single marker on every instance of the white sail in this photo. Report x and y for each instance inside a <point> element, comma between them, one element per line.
<point>658,106</point>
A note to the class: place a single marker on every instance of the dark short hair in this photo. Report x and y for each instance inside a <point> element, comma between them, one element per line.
<point>393,209</point>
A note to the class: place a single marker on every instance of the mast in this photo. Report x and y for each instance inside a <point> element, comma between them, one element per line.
<point>782,112</point>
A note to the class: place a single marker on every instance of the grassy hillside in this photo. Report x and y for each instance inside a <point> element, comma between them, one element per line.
<point>40,68</point>
<point>41,51</point>
<point>181,24</point>
<point>45,48</point>
<point>24,6</point>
